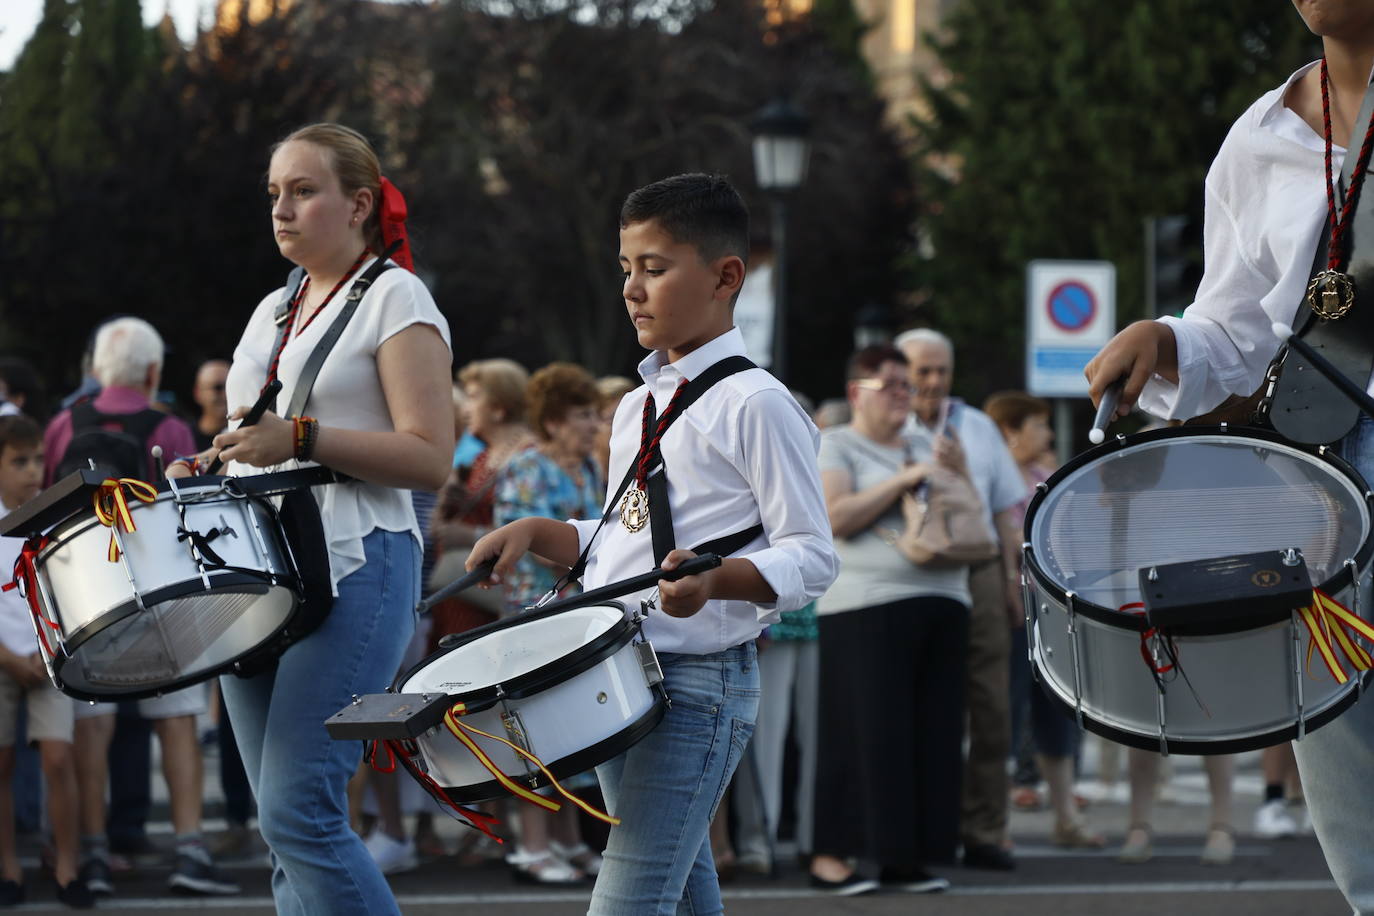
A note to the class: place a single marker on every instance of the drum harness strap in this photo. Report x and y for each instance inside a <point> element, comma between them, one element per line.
<point>304,384</point>
<point>650,456</point>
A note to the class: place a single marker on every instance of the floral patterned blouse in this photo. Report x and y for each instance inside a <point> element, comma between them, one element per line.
<point>532,484</point>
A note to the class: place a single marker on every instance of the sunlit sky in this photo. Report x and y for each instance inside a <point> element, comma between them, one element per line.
<point>18,18</point>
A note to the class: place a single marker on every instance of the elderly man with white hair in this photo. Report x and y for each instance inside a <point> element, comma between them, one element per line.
<point>120,424</point>
<point>996,597</point>
<point>127,361</point>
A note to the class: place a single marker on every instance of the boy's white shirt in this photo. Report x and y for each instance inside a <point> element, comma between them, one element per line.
<point>744,454</point>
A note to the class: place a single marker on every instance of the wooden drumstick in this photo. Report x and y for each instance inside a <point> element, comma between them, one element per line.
<point>1323,365</point>
<point>157,462</point>
<point>269,394</point>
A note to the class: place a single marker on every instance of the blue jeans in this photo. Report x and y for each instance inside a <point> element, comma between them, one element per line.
<point>298,774</point>
<point>1337,760</point>
<point>666,788</point>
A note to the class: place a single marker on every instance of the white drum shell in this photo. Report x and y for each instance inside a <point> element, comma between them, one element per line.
<point>1116,688</point>
<point>595,707</point>
<point>191,623</point>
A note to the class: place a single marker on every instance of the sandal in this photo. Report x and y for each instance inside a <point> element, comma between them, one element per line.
<point>1076,836</point>
<point>1220,847</point>
<point>1138,847</point>
<point>580,857</point>
<point>542,868</point>
<point>477,849</point>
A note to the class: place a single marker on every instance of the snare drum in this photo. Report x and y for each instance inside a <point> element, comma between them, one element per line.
<point>574,688</point>
<point>1175,496</point>
<point>208,579</point>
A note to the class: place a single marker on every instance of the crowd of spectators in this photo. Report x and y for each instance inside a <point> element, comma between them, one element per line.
<point>926,776</point>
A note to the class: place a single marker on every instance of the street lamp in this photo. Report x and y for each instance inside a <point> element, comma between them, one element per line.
<point>781,151</point>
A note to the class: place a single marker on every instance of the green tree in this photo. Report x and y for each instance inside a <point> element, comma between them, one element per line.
<point>541,121</point>
<point>1063,126</point>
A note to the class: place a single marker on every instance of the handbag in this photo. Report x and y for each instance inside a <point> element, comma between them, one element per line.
<point>945,523</point>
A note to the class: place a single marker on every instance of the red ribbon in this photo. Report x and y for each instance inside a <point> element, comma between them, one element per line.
<point>393,223</point>
<point>405,752</point>
<point>26,580</point>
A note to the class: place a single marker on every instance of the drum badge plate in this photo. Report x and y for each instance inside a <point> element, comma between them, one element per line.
<point>634,509</point>
<point>1266,578</point>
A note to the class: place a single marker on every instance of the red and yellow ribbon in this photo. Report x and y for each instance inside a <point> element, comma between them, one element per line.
<point>464,732</point>
<point>112,506</point>
<point>1328,622</point>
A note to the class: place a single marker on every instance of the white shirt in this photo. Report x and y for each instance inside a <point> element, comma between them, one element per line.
<point>16,620</point>
<point>347,394</point>
<point>995,473</point>
<point>1265,204</point>
<point>744,454</point>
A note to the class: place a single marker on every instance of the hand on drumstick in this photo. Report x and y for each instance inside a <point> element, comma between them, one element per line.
<point>181,468</point>
<point>1141,350</point>
<point>506,545</point>
<point>270,441</point>
<point>687,595</point>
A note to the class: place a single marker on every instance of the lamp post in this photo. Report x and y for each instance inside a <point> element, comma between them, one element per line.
<point>781,151</point>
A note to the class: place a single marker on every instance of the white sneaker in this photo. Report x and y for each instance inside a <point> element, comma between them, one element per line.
<point>1272,821</point>
<point>391,856</point>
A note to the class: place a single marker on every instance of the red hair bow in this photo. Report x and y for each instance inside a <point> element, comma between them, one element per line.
<point>393,223</point>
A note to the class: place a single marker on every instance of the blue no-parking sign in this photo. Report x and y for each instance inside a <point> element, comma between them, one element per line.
<point>1070,315</point>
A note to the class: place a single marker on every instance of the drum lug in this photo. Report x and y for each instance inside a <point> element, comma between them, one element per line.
<point>648,662</point>
<point>1296,632</point>
<point>1069,598</point>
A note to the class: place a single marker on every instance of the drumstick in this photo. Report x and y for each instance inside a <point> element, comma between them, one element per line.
<point>269,394</point>
<point>1106,412</point>
<point>457,585</point>
<point>695,566</point>
<point>157,461</point>
<point>1323,365</point>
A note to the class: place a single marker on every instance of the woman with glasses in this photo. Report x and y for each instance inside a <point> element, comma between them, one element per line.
<point>892,647</point>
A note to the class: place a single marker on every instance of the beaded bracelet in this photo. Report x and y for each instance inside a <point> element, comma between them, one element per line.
<point>307,431</point>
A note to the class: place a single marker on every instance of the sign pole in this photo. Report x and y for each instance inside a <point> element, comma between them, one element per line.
<point>1063,429</point>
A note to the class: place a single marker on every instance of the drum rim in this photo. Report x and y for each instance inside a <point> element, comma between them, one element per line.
<point>1137,622</point>
<point>86,632</point>
<point>574,763</point>
<point>548,675</point>
<point>1344,700</point>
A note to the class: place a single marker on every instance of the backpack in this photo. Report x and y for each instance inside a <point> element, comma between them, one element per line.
<point>118,452</point>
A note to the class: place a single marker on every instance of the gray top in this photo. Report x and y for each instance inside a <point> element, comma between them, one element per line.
<point>872,571</point>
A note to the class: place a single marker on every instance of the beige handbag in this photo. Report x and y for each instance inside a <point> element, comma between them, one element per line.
<point>945,523</point>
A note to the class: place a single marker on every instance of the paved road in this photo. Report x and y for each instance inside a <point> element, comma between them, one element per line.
<point>1267,878</point>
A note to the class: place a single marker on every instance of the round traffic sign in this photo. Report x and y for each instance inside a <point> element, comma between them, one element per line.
<point>1072,306</point>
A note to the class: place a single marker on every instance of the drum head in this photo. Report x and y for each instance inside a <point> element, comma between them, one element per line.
<point>1177,498</point>
<point>514,649</point>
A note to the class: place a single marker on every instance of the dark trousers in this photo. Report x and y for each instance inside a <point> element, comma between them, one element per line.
<point>891,727</point>
<point>131,771</point>
<point>233,781</point>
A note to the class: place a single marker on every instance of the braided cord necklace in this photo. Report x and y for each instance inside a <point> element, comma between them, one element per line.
<point>1331,293</point>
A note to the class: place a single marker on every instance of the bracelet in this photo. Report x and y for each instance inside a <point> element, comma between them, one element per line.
<point>307,432</point>
<point>192,464</point>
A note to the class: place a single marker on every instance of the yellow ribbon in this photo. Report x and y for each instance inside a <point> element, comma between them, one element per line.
<point>463,732</point>
<point>112,506</point>
<point>1327,621</point>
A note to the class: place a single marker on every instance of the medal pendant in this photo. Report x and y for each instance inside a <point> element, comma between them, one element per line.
<point>1331,294</point>
<point>634,509</point>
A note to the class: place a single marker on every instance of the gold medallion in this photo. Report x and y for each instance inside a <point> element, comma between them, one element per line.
<point>1331,294</point>
<point>634,509</point>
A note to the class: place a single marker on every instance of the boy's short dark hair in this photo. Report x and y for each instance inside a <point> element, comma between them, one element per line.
<point>865,363</point>
<point>704,211</point>
<point>18,431</point>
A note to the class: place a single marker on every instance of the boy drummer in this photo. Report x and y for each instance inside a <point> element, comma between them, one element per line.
<point>744,455</point>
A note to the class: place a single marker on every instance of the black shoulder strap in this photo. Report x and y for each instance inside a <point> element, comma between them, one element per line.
<point>140,424</point>
<point>695,389</point>
<point>293,285</point>
<point>311,370</point>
